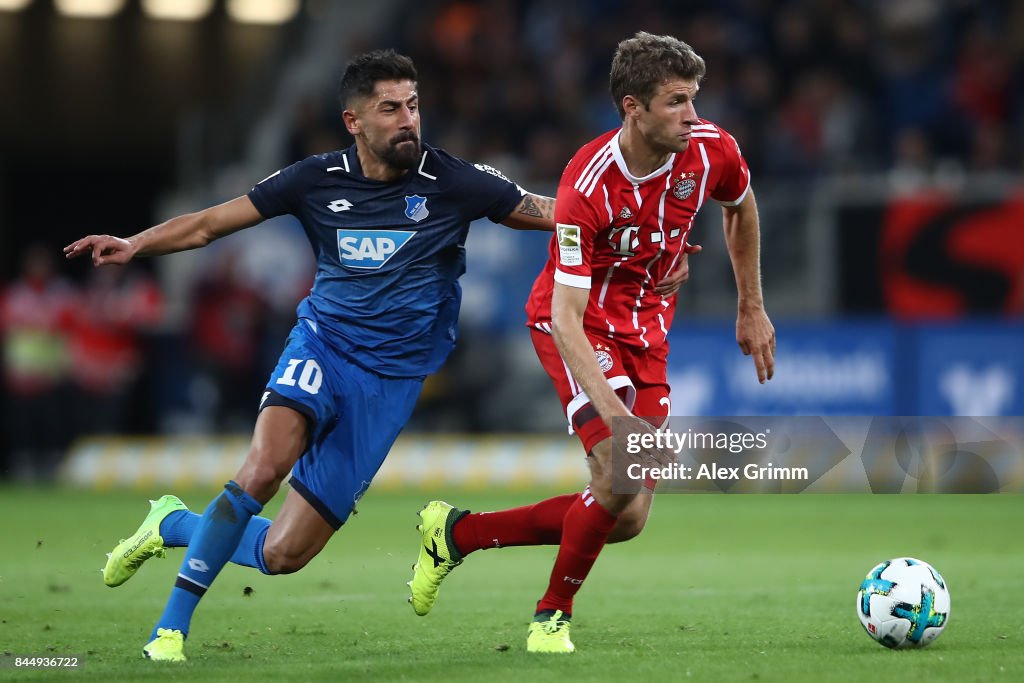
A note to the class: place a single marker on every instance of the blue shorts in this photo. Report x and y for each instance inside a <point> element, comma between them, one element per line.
<point>354,418</point>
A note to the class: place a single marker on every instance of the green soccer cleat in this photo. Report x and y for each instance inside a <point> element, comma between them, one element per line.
<point>168,646</point>
<point>438,554</point>
<point>549,633</point>
<point>130,553</point>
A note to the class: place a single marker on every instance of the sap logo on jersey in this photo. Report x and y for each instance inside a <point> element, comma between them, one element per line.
<point>370,249</point>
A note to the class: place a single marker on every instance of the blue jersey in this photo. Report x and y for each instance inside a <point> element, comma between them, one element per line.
<point>389,254</point>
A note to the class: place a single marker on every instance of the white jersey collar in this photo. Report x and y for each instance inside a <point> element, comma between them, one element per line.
<point>621,162</point>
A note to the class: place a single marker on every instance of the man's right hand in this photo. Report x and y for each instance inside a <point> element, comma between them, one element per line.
<point>646,455</point>
<point>632,458</point>
<point>104,248</point>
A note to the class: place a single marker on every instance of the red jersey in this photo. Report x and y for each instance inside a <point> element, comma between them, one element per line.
<point>618,235</point>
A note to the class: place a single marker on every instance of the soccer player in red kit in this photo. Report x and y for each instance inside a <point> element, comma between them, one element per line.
<point>599,320</point>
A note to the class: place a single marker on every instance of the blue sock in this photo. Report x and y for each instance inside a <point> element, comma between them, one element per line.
<point>178,528</point>
<point>215,539</point>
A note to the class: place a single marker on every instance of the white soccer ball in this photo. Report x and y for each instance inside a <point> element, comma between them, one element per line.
<point>903,603</point>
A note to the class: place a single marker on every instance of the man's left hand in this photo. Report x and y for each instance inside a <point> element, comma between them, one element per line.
<point>756,336</point>
<point>671,283</point>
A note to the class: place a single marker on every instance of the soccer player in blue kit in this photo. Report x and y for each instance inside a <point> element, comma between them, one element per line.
<point>387,219</point>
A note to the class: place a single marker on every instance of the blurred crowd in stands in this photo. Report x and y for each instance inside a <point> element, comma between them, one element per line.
<point>97,357</point>
<point>71,355</point>
<point>916,90</point>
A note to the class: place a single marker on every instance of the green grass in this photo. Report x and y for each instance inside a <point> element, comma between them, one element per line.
<point>718,588</point>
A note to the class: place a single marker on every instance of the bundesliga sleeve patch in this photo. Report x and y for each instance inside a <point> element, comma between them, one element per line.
<point>570,252</point>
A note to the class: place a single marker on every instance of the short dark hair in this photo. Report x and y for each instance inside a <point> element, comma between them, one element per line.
<point>363,72</point>
<point>645,61</point>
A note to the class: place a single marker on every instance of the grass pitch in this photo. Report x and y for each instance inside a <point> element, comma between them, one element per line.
<point>718,588</point>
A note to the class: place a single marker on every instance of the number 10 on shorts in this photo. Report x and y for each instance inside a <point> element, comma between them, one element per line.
<point>310,378</point>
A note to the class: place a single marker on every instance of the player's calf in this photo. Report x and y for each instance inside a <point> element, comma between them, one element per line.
<point>633,519</point>
<point>297,535</point>
<point>280,559</point>
<point>627,527</point>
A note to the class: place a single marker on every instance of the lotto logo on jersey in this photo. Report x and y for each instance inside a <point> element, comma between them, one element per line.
<point>370,249</point>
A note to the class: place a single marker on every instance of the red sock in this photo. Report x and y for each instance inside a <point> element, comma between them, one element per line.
<point>585,530</point>
<point>538,524</point>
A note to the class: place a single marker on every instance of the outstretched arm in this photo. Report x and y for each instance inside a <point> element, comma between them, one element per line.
<point>188,231</point>
<point>754,331</point>
<point>535,212</point>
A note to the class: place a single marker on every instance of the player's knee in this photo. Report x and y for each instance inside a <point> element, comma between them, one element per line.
<point>260,477</point>
<point>616,499</point>
<point>615,503</point>
<point>601,488</point>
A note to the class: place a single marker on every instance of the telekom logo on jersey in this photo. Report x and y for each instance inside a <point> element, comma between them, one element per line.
<point>625,240</point>
<point>370,249</point>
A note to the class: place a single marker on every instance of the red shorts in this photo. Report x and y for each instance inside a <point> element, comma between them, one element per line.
<point>637,376</point>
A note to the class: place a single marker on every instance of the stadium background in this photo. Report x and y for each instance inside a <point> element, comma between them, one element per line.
<point>885,143</point>
<point>886,146</point>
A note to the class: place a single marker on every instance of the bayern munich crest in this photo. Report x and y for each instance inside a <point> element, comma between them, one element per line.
<point>683,188</point>
<point>604,359</point>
